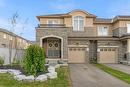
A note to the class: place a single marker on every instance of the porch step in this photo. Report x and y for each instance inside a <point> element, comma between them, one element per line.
<point>52,61</point>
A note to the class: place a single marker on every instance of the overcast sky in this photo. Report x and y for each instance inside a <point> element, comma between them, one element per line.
<point>29,9</point>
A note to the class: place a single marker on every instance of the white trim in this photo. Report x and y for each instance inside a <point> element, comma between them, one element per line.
<point>78,26</point>
<point>55,37</point>
<point>98,50</point>
<point>101,33</point>
<point>79,10</point>
<point>77,46</point>
<point>108,46</point>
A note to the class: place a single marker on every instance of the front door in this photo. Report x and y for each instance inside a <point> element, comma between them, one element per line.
<point>54,48</point>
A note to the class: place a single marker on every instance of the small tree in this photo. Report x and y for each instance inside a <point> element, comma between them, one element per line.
<point>1,61</point>
<point>34,60</point>
<point>14,20</point>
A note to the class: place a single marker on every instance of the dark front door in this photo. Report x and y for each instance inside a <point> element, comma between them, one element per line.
<point>54,48</point>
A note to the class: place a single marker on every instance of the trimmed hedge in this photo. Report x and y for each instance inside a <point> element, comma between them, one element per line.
<point>34,60</point>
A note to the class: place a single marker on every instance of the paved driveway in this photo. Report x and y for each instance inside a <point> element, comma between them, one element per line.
<point>83,75</point>
<point>121,67</point>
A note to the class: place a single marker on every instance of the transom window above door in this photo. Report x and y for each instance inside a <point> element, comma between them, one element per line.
<point>102,31</point>
<point>78,23</point>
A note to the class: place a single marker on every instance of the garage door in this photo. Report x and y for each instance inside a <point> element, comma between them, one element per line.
<point>76,55</point>
<point>108,55</point>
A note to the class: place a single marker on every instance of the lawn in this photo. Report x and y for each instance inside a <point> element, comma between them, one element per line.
<point>118,74</point>
<point>63,80</point>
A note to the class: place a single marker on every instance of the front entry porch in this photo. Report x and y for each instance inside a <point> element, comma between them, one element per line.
<point>52,47</point>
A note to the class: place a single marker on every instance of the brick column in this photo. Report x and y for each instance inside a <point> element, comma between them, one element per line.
<point>128,51</point>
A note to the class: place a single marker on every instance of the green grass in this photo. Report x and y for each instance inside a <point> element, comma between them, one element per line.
<point>63,80</point>
<point>118,74</point>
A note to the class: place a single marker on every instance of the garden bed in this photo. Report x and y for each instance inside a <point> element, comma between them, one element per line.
<point>63,80</point>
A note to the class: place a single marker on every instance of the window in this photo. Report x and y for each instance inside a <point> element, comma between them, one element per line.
<point>11,38</point>
<point>52,23</point>
<point>128,28</point>
<point>20,40</point>
<point>78,23</point>
<point>102,31</point>
<point>4,36</point>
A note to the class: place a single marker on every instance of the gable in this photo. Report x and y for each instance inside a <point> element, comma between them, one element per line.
<point>81,13</point>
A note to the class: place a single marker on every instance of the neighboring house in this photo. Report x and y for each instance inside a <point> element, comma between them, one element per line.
<point>79,37</point>
<point>8,38</point>
<point>12,44</point>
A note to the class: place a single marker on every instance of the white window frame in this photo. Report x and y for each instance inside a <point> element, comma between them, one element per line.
<point>11,38</point>
<point>53,21</point>
<point>4,36</point>
<point>102,33</point>
<point>78,24</point>
<point>128,28</point>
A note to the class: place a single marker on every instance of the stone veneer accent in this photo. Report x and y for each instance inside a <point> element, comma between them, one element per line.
<point>128,58</point>
<point>67,33</point>
<point>88,32</point>
<point>60,32</point>
<point>118,32</point>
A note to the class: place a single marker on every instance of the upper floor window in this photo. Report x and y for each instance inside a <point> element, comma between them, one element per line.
<point>128,28</point>
<point>78,23</point>
<point>11,38</point>
<point>4,36</point>
<point>102,31</point>
<point>52,23</point>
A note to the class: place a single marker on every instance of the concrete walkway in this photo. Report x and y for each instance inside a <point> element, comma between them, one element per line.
<point>83,75</point>
<point>121,67</point>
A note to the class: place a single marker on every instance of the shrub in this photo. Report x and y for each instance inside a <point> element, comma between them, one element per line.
<point>34,60</point>
<point>93,60</point>
<point>1,61</point>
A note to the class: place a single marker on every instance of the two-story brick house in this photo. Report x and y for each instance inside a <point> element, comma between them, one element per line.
<point>12,46</point>
<point>79,37</point>
<point>9,39</point>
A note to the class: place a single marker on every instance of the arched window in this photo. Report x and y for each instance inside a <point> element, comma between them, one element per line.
<point>78,23</point>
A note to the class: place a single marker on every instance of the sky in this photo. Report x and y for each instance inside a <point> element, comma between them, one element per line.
<point>29,9</point>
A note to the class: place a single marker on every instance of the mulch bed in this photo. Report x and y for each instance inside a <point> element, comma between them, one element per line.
<point>18,67</point>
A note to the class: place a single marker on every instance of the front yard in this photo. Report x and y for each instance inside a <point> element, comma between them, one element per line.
<point>63,80</point>
<point>116,73</point>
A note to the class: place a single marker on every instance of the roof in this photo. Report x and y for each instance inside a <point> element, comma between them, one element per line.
<point>121,17</point>
<point>103,20</point>
<point>82,11</point>
<point>53,15</point>
<point>65,15</point>
<point>8,32</point>
<point>11,33</point>
<point>97,20</point>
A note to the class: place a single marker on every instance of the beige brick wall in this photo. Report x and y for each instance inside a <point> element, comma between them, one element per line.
<point>109,26</point>
<point>88,23</point>
<point>6,40</point>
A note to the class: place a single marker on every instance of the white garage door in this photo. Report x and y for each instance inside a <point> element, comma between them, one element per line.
<point>76,55</point>
<point>108,55</point>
